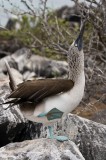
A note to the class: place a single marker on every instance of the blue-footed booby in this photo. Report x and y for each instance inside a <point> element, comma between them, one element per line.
<point>47,100</point>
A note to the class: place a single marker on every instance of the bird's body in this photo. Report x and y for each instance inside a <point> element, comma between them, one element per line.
<point>65,102</point>
<point>46,101</point>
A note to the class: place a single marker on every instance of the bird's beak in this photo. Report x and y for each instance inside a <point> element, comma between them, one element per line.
<point>79,41</point>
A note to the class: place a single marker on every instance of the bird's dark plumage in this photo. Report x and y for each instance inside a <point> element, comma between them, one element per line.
<point>37,90</point>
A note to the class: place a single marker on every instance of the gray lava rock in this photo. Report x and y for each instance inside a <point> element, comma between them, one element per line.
<point>17,60</point>
<point>13,126</point>
<point>44,67</point>
<point>21,57</point>
<point>100,117</point>
<point>89,135</point>
<point>41,149</point>
<point>41,66</point>
<point>29,75</point>
<point>12,121</point>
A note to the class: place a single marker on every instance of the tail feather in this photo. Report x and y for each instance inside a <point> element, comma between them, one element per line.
<point>12,82</point>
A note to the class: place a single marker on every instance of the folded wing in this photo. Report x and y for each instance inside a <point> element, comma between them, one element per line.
<point>37,90</point>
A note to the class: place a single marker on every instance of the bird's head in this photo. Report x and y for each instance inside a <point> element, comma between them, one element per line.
<point>78,43</point>
<point>76,56</point>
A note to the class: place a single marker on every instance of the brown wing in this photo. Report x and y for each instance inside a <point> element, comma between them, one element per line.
<point>37,90</point>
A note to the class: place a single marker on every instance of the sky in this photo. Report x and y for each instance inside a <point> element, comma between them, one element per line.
<point>4,15</point>
<point>52,4</point>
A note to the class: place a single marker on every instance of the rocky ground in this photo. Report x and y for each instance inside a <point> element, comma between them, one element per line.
<point>87,138</point>
<point>47,150</point>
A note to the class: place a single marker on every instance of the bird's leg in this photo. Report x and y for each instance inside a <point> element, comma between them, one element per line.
<point>58,138</point>
<point>62,138</point>
<point>51,136</point>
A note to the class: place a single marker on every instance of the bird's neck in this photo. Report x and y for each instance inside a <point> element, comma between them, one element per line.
<point>76,66</point>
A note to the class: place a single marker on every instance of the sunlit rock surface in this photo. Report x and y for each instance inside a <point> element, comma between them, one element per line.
<point>88,135</point>
<point>41,149</point>
<point>23,61</point>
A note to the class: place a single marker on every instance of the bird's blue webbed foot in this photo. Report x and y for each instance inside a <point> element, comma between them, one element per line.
<point>61,138</point>
<point>58,138</point>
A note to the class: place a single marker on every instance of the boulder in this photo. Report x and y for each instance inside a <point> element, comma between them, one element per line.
<point>17,60</point>
<point>45,67</point>
<point>100,117</point>
<point>10,119</point>
<point>13,126</point>
<point>88,135</point>
<point>41,149</point>
<point>37,65</point>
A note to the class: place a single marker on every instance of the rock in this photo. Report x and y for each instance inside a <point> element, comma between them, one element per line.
<point>44,67</point>
<point>17,60</point>
<point>9,46</point>
<point>12,121</point>
<point>2,76</point>
<point>41,149</point>
<point>13,126</point>
<point>89,135</point>
<point>3,53</point>
<point>100,117</point>
<point>29,75</point>
<point>41,66</point>
<point>21,57</point>
<point>95,110</point>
